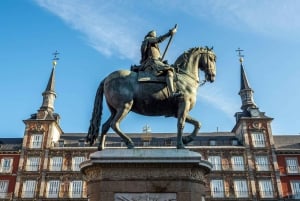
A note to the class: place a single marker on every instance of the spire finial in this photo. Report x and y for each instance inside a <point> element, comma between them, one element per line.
<point>55,58</point>
<point>240,55</point>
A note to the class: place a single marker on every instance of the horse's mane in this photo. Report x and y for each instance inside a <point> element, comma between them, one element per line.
<point>183,59</point>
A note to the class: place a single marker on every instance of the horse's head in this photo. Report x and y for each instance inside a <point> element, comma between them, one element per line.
<point>207,63</point>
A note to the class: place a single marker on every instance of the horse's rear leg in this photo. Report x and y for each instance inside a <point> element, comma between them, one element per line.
<point>197,126</point>
<point>104,130</point>
<point>115,124</point>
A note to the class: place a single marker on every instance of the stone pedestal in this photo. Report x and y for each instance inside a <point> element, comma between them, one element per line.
<point>145,175</point>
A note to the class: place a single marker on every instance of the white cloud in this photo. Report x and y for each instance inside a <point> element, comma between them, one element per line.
<point>106,27</point>
<point>219,100</point>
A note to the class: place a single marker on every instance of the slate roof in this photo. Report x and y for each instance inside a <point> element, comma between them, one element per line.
<point>287,142</point>
<point>10,144</point>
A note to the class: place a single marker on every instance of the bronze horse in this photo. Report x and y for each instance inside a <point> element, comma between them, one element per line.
<point>124,93</point>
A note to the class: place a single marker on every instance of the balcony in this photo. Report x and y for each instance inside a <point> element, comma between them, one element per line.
<point>5,196</point>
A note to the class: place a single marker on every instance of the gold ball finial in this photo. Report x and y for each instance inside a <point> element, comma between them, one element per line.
<point>54,63</point>
<point>241,59</point>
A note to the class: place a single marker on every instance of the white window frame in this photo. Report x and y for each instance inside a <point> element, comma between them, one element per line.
<point>262,163</point>
<point>6,165</point>
<point>216,162</point>
<point>76,189</point>
<point>28,190</point>
<point>217,188</point>
<point>33,164</point>
<point>292,165</point>
<point>241,188</point>
<point>56,163</point>
<point>266,189</point>
<point>295,186</point>
<point>36,141</point>
<point>237,163</point>
<point>76,162</point>
<point>258,139</point>
<point>53,188</point>
<point>3,188</point>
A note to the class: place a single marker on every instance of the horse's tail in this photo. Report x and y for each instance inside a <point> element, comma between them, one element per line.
<point>96,116</point>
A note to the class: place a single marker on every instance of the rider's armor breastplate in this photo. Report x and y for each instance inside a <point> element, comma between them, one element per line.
<point>155,54</point>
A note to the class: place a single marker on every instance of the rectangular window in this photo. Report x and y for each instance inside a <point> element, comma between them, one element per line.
<point>3,188</point>
<point>241,188</point>
<point>292,165</point>
<point>295,186</point>
<point>28,189</point>
<point>36,141</point>
<point>6,165</point>
<point>266,189</point>
<point>258,139</point>
<point>76,189</point>
<point>216,162</point>
<point>33,164</point>
<point>56,163</point>
<point>53,188</point>
<point>237,163</point>
<point>76,162</point>
<point>217,188</point>
<point>262,163</point>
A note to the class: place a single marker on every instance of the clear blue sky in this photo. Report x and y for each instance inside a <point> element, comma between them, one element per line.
<point>96,37</point>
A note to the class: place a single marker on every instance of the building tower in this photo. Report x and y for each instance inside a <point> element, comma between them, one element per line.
<point>41,132</point>
<point>253,129</point>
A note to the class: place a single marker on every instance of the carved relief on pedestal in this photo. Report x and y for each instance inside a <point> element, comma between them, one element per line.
<point>145,196</point>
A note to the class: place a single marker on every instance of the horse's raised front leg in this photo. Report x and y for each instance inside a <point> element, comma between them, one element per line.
<point>115,125</point>
<point>181,118</point>
<point>197,126</point>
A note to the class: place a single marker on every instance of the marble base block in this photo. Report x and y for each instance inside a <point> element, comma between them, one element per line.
<point>145,175</point>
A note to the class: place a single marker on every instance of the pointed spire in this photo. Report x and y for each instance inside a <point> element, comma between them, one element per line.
<point>246,92</point>
<point>49,94</point>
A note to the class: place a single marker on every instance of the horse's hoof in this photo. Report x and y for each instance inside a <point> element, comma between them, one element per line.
<point>130,145</point>
<point>181,146</point>
<point>100,148</point>
<point>187,139</point>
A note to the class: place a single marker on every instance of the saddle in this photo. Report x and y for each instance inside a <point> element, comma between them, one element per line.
<point>147,76</point>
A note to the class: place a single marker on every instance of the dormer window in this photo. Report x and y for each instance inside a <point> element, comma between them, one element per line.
<point>36,141</point>
<point>212,143</point>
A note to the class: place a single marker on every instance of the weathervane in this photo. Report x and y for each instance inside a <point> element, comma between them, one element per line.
<point>240,55</point>
<point>54,60</point>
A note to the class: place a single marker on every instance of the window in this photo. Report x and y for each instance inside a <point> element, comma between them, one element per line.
<point>212,143</point>
<point>28,189</point>
<point>53,188</point>
<point>295,185</point>
<point>33,164</point>
<point>234,142</point>
<point>241,188</point>
<point>216,162</point>
<point>56,163</point>
<point>36,141</point>
<point>292,165</point>
<point>258,140</point>
<point>217,188</point>
<point>266,189</point>
<point>262,163</point>
<point>76,189</point>
<point>76,161</point>
<point>237,163</point>
<point>3,188</point>
<point>6,165</point>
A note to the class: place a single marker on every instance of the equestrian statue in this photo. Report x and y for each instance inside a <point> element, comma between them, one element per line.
<point>153,88</point>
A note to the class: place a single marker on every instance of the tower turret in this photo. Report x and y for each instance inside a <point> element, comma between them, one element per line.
<point>249,108</point>
<point>47,108</point>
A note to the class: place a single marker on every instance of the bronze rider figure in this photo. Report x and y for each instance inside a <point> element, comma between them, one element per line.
<point>152,61</point>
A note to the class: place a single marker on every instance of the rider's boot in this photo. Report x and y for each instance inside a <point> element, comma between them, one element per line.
<point>169,80</point>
